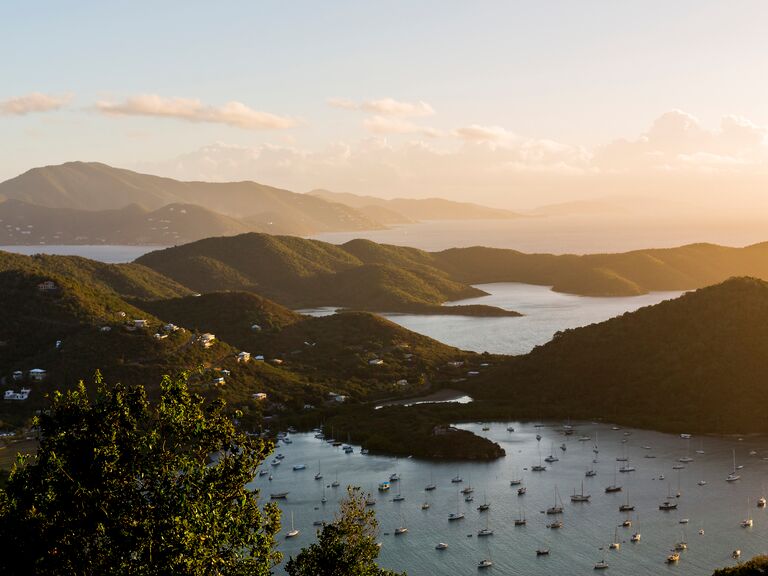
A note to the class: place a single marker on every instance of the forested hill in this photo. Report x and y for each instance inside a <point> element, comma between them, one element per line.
<point>696,363</point>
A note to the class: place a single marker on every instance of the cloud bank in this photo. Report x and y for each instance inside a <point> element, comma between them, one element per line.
<point>232,113</point>
<point>32,103</point>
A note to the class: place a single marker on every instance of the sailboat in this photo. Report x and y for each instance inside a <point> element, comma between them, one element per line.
<point>399,496</point>
<point>687,458</point>
<point>668,504</point>
<point>613,487</point>
<point>402,529</point>
<point>602,564</point>
<point>431,485</point>
<point>538,467</point>
<point>484,506</point>
<point>323,500</point>
<point>615,545</point>
<point>581,497</point>
<point>551,458</point>
<point>516,481</point>
<point>733,476</point>
<point>485,531</point>
<point>457,479</point>
<point>468,488</point>
<point>335,483</point>
<point>761,502</point>
<point>520,520</point>
<point>293,532</point>
<point>457,515</point>
<point>701,447</point>
<point>626,507</point>
<point>636,536</point>
<point>318,475</point>
<point>557,507</point>
<point>747,522</point>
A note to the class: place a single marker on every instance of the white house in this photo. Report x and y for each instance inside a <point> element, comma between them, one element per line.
<point>376,362</point>
<point>207,340</point>
<point>259,358</point>
<point>244,357</point>
<point>337,397</point>
<point>259,396</point>
<point>255,327</point>
<point>170,328</point>
<point>402,382</point>
<point>23,395</point>
<point>18,375</point>
<point>140,323</point>
<point>47,286</point>
<point>37,374</point>
<point>219,381</point>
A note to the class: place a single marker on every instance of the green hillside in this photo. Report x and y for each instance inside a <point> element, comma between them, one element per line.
<point>696,363</point>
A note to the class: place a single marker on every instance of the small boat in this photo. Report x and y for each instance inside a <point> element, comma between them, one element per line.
<point>299,467</point>
<point>467,490</point>
<point>733,476</point>
<point>627,468</point>
<point>425,506</point>
<point>581,497</point>
<point>455,516</point>
<point>364,451</point>
<point>469,498</point>
<point>510,428</point>
<point>615,545</point>
<point>661,476</point>
<point>484,532</point>
<point>293,532</point>
<point>563,447</point>
<point>487,563</point>
<point>685,459</point>
<point>398,498</point>
<point>384,486</point>
<point>457,479</point>
<point>263,472</point>
<point>486,428</point>
<point>685,436</point>
<point>521,491</point>
<point>702,482</point>
<point>736,554</point>
<point>584,438</point>
<point>400,530</point>
<point>538,437</point>
<point>701,532</point>
<point>276,462</point>
<point>556,525</point>
<point>761,502</point>
<point>348,449</point>
<point>635,537</point>
<point>678,467</point>
<point>369,501</point>
<point>601,565</point>
<point>516,482</point>
<point>557,507</point>
<point>318,523</point>
<point>668,505</point>
<point>680,546</point>
<point>627,523</point>
<point>542,552</point>
<point>551,458</point>
<point>672,558</point>
<point>394,477</point>
<point>278,495</point>
<point>538,468</point>
<point>441,546</point>
<point>590,473</point>
<point>683,521</point>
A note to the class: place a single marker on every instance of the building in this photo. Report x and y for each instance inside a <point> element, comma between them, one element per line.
<point>336,397</point>
<point>37,374</point>
<point>219,381</point>
<point>244,357</point>
<point>170,328</point>
<point>255,327</point>
<point>376,362</point>
<point>207,340</point>
<point>259,396</point>
<point>259,358</point>
<point>47,286</point>
<point>22,395</point>
<point>18,375</point>
<point>402,382</point>
<point>140,323</point>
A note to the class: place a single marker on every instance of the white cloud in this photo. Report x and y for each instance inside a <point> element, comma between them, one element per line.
<point>477,133</point>
<point>385,107</point>
<point>388,125</point>
<point>31,103</point>
<point>232,113</point>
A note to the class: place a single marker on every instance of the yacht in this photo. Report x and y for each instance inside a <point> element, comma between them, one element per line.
<point>557,524</point>
<point>761,502</point>
<point>626,507</point>
<point>293,532</point>
<point>581,497</point>
<point>521,491</point>
<point>627,468</point>
<point>678,467</point>
<point>516,482</point>
<point>400,530</point>
<point>602,565</point>
<point>542,552</point>
<point>557,506</point>
<point>487,563</point>
<point>668,505</point>
<point>672,558</point>
<point>457,479</point>
<point>733,476</point>
<point>467,490</point>
<point>299,466</point>
<point>636,537</point>
<point>615,545</point>
<point>278,495</point>
<point>394,477</point>
<point>590,473</point>
<point>441,546</point>
<point>613,487</point>
<point>484,532</point>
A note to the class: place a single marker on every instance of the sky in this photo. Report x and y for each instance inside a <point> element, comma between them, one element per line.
<point>509,103</point>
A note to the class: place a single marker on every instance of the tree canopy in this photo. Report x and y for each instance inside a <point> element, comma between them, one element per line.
<point>122,486</point>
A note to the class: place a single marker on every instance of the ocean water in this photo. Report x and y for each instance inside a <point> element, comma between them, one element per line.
<point>545,312</point>
<point>111,254</point>
<point>560,234</point>
<point>717,507</point>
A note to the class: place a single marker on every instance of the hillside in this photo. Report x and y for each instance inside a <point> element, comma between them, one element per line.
<point>24,223</point>
<point>696,363</point>
<point>405,210</point>
<point>96,186</point>
<point>306,273</point>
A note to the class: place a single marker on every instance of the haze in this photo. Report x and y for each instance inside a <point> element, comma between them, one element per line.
<point>658,107</point>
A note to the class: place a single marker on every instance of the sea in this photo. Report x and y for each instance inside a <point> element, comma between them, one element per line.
<point>707,518</point>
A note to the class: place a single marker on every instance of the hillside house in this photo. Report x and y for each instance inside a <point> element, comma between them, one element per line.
<point>259,358</point>
<point>402,382</point>
<point>47,286</point>
<point>170,328</point>
<point>106,329</point>
<point>37,374</point>
<point>337,397</point>
<point>140,323</point>
<point>376,362</point>
<point>255,327</point>
<point>18,375</point>
<point>259,396</point>
<point>244,357</point>
<point>219,381</point>
<point>207,340</point>
<point>22,395</point>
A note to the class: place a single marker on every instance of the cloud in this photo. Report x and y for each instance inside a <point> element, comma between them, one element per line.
<point>385,107</point>
<point>31,103</point>
<point>232,113</point>
<point>477,133</point>
<point>387,125</point>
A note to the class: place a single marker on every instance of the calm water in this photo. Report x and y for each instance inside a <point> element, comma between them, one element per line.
<point>545,311</point>
<point>560,234</point>
<point>717,508</point>
<point>110,254</point>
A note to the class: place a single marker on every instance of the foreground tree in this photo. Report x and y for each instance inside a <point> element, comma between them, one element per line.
<point>122,486</point>
<point>345,547</point>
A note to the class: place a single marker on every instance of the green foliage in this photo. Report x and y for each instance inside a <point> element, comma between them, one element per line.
<point>757,566</point>
<point>120,486</point>
<point>345,547</point>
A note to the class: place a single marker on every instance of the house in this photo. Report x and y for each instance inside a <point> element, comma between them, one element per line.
<point>140,323</point>
<point>276,361</point>
<point>376,362</point>
<point>308,407</point>
<point>259,396</point>
<point>244,357</point>
<point>207,340</point>
<point>456,364</point>
<point>219,381</point>
<point>255,327</point>
<point>259,358</point>
<point>47,286</point>
<point>106,329</point>
<point>226,372</point>
<point>336,397</point>
<point>170,328</point>
<point>37,374</point>
<point>159,336</point>
<point>402,382</point>
<point>18,375</point>
<point>22,395</point>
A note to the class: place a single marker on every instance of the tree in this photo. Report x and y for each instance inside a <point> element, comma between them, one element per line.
<point>345,547</point>
<point>757,566</point>
<point>122,486</point>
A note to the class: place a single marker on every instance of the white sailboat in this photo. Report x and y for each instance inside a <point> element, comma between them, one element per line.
<point>557,507</point>
<point>615,544</point>
<point>733,476</point>
<point>453,516</point>
<point>293,532</point>
<point>747,522</point>
<point>580,497</point>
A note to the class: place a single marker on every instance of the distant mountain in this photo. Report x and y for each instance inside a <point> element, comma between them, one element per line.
<point>23,223</point>
<point>698,363</point>
<point>95,186</point>
<point>411,209</point>
<point>306,273</point>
